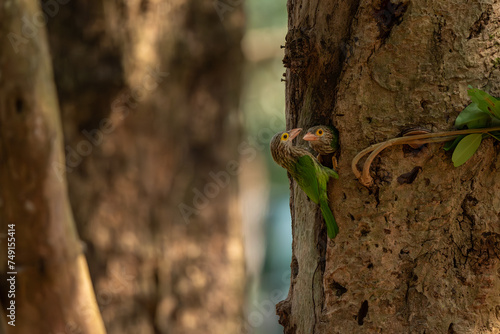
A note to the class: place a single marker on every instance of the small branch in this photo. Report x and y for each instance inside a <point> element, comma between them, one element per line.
<point>364,176</point>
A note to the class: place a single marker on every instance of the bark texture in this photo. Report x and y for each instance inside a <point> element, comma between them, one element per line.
<point>414,254</point>
<point>153,86</point>
<point>53,291</point>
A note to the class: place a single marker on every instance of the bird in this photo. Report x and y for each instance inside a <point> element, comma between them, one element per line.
<point>324,140</point>
<point>310,175</point>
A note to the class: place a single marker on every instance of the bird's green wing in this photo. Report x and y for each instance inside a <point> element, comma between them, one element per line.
<point>305,173</point>
<point>313,179</point>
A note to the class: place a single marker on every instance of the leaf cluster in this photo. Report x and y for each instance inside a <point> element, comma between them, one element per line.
<point>483,112</point>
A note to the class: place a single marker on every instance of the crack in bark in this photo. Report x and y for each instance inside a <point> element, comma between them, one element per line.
<point>387,16</point>
<point>480,251</point>
<point>481,22</point>
<point>468,200</point>
<point>313,301</point>
<point>321,246</point>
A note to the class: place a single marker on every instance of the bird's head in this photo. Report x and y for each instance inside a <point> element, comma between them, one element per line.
<point>322,138</point>
<point>282,147</point>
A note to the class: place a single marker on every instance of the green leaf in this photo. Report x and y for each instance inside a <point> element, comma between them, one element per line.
<point>495,122</point>
<point>473,117</point>
<point>453,143</point>
<point>485,101</point>
<point>494,106</point>
<point>466,148</point>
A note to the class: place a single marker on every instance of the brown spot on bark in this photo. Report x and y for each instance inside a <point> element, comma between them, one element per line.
<point>387,15</point>
<point>364,232</point>
<point>338,288</point>
<point>479,25</point>
<point>294,267</point>
<point>410,176</point>
<point>363,311</point>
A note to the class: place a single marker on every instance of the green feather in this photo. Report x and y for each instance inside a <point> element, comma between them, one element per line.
<point>305,175</point>
<point>313,179</point>
<point>331,225</point>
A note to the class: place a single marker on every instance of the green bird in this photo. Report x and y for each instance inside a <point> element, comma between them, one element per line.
<point>323,139</point>
<point>311,176</point>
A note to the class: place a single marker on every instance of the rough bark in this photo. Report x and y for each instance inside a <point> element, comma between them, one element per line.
<point>413,255</point>
<point>53,291</point>
<point>167,76</point>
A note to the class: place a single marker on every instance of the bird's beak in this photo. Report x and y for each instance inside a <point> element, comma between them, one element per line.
<point>294,133</point>
<point>310,137</point>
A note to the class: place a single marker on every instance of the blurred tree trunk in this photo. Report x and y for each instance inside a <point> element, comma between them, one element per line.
<point>152,87</point>
<point>45,283</point>
<point>414,255</point>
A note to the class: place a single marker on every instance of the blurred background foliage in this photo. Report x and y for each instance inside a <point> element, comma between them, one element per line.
<point>263,105</point>
<point>153,271</point>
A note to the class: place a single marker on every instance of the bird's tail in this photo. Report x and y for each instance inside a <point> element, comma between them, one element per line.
<point>331,225</point>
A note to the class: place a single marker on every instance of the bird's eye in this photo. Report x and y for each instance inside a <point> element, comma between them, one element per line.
<point>319,132</point>
<point>284,136</point>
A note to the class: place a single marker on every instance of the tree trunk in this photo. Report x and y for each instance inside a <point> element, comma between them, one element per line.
<point>46,286</point>
<point>414,254</point>
<point>153,87</point>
